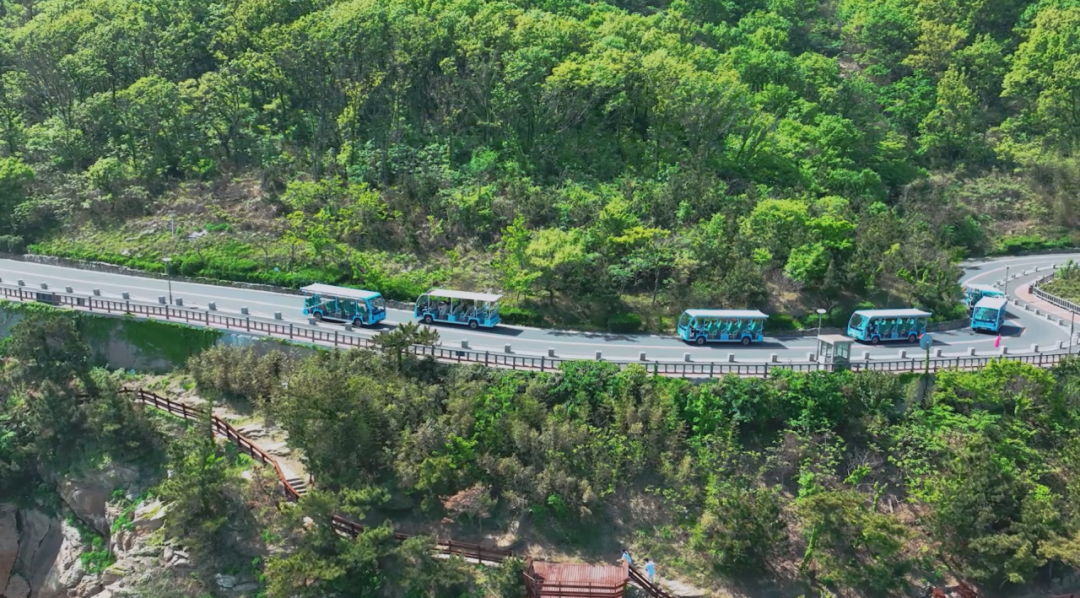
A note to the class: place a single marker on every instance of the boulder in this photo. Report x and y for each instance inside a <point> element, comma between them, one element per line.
<point>9,541</point>
<point>87,495</point>
<point>113,574</point>
<point>246,587</point>
<point>150,516</point>
<point>225,582</point>
<point>17,587</point>
<point>88,587</point>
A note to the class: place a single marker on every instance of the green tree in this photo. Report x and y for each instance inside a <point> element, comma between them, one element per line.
<point>15,179</point>
<point>201,490</point>
<point>740,527</point>
<point>559,259</point>
<point>400,341</point>
<point>1045,79</point>
<point>850,543</point>
<point>48,346</point>
<point>950,132</point>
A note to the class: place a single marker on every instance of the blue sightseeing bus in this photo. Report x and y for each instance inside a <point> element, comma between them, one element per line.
<point>475,310</point>
<point>989,314</point>
<point>355,306</point>
<point>721,326</point>
<point>974,292</point>
<point>876,325</point>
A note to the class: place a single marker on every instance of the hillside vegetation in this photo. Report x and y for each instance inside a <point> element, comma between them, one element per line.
<point>845,484</point>
<point>66,428</point>
<point>589,159</point>
<point>822,484</point>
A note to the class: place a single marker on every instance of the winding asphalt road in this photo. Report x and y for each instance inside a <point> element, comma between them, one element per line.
<point>1023,328</point>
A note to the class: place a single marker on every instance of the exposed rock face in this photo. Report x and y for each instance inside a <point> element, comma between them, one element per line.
<point>34,528</point>
<point>64,570</point>
<point>39,555</point>
<point>87,496</point>
<point>9,541</point>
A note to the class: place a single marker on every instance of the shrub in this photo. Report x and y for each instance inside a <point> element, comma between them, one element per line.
<point>624,323</point>
<point>781,322</point>
<point>233,372</point>
<point>521,316</point>
<point>1020,243</point>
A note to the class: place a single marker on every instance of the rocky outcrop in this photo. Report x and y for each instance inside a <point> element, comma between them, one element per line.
<point>39,554</point>
<point>61,568</point>
<point>88,495</point>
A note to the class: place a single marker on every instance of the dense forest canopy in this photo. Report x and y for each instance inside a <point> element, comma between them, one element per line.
<point>641,155</point>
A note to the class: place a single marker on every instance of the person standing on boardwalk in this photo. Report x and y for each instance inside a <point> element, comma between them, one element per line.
<point>626,557</point>
<point>650,570</point>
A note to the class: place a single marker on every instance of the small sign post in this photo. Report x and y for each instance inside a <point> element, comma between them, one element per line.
<point>925,342</point>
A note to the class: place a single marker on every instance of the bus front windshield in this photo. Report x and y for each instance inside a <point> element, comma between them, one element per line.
<point>378,304</point>
<point>857,322</point>
<point>684,320</point>
<point>985,314</point>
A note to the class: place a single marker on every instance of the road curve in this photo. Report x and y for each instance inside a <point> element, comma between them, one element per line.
<point>1023,330</point>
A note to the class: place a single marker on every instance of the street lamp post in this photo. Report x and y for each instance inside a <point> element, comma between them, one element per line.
<point>1006,289</point>
<point>168,276</point>
<point>820,312</point>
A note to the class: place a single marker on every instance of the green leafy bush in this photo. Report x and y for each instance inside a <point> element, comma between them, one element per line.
<point>520,316</point>
<point>782,323</point>
<point>624,323</point>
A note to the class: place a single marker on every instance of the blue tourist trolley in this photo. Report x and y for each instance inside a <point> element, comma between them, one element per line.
<point>989,314</point>
<point>721,326</point>
<point>974,292</point>
<point>877,325</point>
<point>341,304</point>
<point>475,310</point>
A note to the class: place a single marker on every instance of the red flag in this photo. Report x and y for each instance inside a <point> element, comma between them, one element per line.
<point>997,342</point>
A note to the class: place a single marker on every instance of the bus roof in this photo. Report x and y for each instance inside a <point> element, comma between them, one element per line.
<point>329,289</point>
<point>893,313</point>
<point>981,287</point>
<point>466,295</point>
<point>726,313</point>
<point>992,302</point>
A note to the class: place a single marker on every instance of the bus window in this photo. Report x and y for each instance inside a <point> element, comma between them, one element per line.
<point>858,322</point>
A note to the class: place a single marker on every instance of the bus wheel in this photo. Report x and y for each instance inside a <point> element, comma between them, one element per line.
<point>474,324</point>
<point>428,319</point>
<point>875,340</point>
<point>746,340</point>
<point>318,316</point>
<point>700,340</point>
<point>358,322</point>
<point>912,338</point>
